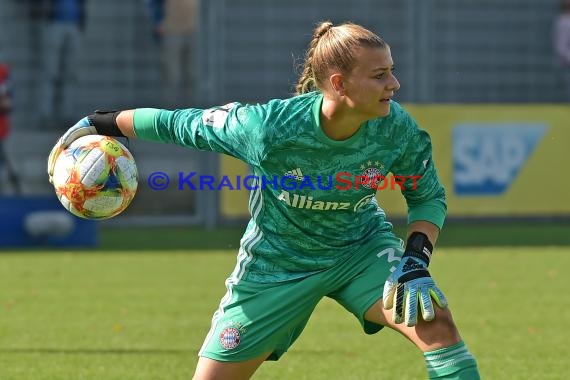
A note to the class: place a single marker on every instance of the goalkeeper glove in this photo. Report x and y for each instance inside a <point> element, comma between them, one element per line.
<point>411,283</point>
<point>99,123</point>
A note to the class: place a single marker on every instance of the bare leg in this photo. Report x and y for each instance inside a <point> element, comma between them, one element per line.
<point>209,369</point>
<point>427,336</point>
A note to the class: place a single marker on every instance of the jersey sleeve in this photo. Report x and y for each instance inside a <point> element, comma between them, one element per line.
<point>421,187</point>
<point>233,129</point>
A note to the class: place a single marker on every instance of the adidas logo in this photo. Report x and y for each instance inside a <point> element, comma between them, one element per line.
<point>295,173</point>
<point>411,265</point>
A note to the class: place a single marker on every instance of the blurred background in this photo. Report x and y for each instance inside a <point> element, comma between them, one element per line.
<point>487,79</point>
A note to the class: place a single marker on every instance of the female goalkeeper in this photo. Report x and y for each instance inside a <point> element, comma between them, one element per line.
<point>307,242</point>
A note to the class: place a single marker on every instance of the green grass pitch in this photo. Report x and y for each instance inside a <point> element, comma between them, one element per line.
<point>126,316</point>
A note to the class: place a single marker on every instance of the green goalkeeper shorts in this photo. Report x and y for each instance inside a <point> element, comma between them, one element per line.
<point>254,319</point>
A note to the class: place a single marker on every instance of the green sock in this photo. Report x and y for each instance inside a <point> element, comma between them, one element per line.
<point>454,362</point>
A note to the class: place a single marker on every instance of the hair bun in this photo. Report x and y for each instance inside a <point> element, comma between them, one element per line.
<point>323,27</point>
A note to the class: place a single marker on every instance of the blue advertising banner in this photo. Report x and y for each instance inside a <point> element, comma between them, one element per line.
<point>487,157</point>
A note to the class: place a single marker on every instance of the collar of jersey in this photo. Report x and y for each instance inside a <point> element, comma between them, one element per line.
<point>320,134</point>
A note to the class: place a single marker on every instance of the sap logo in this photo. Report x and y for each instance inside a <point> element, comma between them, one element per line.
<point>487,158</point>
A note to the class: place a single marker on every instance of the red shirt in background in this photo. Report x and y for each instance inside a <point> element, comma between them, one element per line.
<point>4,101</point>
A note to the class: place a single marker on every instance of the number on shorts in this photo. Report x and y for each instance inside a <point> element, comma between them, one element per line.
<point>391,257</point>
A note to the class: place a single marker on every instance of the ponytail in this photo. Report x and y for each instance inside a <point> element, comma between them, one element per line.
<point>307,81</point>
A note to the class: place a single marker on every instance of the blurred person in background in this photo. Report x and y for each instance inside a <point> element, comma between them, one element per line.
<point>305,243</point>
<point>6,169</point>
<point>61,25</point>
<point>174,28</point>
<point>562,45</point>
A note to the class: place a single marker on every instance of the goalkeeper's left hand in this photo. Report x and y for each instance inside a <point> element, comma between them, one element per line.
<point>411,284</point>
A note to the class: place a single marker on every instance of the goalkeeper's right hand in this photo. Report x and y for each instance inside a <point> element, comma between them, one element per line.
<point>82,128</point>
<point>99,123</point>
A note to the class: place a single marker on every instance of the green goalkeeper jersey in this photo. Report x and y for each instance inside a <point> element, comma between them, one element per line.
<point>312,202</point>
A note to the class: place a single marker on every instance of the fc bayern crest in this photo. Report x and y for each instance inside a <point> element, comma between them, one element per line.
<point>230,338</point>
<point>372,173</point>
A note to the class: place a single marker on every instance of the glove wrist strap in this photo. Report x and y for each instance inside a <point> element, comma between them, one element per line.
<point>419,246</point>
<point>105,122</point>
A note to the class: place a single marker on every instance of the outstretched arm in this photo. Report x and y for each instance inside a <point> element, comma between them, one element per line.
<point>233,129</point>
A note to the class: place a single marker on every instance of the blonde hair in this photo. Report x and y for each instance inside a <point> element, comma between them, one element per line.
<point>333,47</point>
